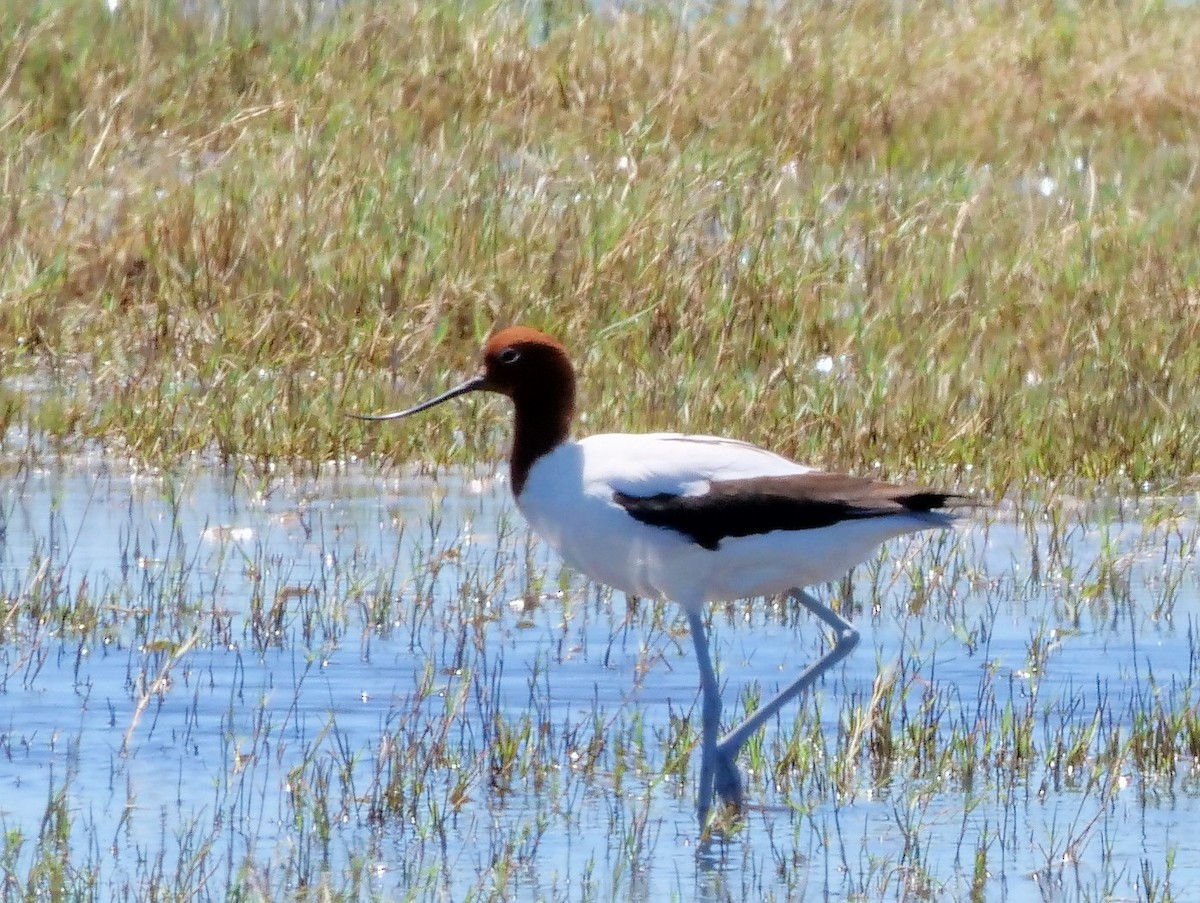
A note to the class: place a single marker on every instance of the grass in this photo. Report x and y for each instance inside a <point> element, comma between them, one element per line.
<point>957,242</point>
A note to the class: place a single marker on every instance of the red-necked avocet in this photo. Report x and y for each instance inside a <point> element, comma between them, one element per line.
<point>693,519</point>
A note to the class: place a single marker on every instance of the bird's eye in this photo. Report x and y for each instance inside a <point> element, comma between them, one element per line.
<point>509,356</point>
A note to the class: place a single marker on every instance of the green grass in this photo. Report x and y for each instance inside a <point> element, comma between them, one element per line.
<point>217,237</point>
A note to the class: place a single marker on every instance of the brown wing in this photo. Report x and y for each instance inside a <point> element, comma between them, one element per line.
<point>793,502</point>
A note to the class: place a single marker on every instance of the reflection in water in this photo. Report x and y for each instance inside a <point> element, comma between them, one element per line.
<point>380,683</point>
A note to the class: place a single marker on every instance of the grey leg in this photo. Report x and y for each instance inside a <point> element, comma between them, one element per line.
<point>723,764</point>
<point>710,714</point>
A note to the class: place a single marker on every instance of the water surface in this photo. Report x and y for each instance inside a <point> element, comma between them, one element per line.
<point>379,683</point>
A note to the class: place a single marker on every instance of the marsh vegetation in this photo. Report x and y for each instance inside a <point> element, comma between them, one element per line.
<point>252,649</point>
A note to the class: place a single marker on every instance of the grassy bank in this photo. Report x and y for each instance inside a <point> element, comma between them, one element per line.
<point>929,238</point>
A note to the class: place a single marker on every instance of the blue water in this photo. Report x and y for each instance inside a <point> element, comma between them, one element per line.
<point>257,644</point>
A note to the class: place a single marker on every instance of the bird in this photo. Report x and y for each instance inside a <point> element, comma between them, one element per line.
<point>693,519</point>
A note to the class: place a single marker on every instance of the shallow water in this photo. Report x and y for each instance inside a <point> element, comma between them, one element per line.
<point>211,680</point>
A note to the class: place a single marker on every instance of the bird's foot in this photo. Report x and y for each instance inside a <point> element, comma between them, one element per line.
<point>704,796</point>
<point>723,781</point>
<point>727,780</point>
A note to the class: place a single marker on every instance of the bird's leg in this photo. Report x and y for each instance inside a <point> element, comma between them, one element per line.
<point>726,780</point>
<point>710,714</point>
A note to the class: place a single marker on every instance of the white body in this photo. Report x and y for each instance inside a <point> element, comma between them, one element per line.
<point>568,500</point>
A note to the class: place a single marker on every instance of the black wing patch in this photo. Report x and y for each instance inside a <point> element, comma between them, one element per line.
<point>795,502</point>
